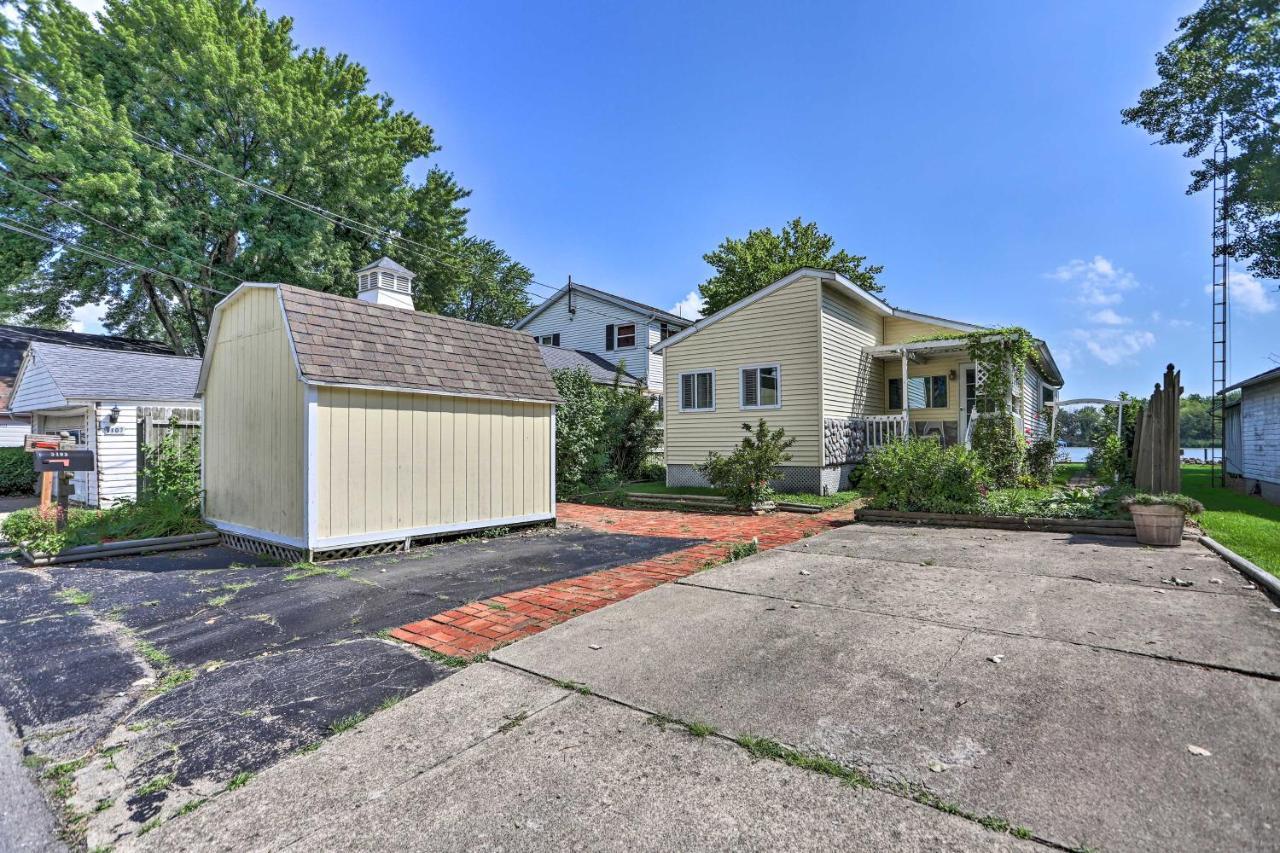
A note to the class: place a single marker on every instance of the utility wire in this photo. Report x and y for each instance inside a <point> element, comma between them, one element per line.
<point>330,216</point>
<point>98,254</point>
<point>333,218</point>
<point>120,231</point>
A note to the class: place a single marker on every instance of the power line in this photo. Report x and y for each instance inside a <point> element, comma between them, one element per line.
<point>19,228</point>
<point>330,216</point>
<point>118,230</point>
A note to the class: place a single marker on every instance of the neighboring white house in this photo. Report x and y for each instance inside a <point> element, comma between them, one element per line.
<point>617,329</point>
<point>1251,448</point>
<point>14,341</point>
<point>104,399</point>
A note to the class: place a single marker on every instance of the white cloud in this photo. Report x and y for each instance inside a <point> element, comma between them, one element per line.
<point>88,318</point>
<point>1252,295</point>
<point>1108,317</point>
<point>690,306</point>
<point>89,7</point>
<point>1114,346</point>
<point>1096,282</point>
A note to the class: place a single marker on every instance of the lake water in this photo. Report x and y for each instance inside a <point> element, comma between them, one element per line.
<point>1079,454</point>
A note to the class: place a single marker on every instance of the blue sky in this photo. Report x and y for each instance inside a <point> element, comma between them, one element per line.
<point>973,148</point>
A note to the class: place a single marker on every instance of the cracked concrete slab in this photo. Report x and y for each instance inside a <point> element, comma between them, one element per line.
<point>574,772</point>
<point>1109,559</point>
<point>181,671</point>
<point>1084,746</point>
<point>1238,632</point>
<point>27,824</point>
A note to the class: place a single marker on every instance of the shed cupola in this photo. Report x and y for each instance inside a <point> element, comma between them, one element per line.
<point>384,282</point>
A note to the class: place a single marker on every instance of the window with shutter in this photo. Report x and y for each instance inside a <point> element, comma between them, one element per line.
<point>761,386</point>
<point>626,336</point>
<point>697,391</point>
<point>750,388</point>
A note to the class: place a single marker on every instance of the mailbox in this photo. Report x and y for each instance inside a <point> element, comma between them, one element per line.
<point>64,460</point>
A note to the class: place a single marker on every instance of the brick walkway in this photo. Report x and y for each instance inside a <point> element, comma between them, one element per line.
<point>482,626</point>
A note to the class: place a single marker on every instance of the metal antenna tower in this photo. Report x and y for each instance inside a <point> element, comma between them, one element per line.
<point>1221,271</point>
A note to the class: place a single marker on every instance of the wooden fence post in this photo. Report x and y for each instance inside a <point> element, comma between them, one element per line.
<point>1157,450</point>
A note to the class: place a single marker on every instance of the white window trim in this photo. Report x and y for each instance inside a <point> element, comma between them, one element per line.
<point>548,339</point>
<point>742,407</point>
<point>694,373</point>
<point>635,338</point>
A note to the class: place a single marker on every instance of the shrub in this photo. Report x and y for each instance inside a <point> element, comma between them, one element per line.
<point>920,475</point>
<point>1190,506</point>
<point>17,476</point>
<point>171,468</point>
<point>630,431</point>
<point>653,471</point>
<point>745,473</point>
<point>579,423</point>
<point>1112,463</point>
<point>999,448</point>
<point>1040,457</point>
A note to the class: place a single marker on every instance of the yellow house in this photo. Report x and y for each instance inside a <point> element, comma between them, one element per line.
<point>337,426</point>
<point>827,361</point>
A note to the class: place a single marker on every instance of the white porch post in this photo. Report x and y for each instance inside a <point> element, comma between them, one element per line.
<point>906,398</point>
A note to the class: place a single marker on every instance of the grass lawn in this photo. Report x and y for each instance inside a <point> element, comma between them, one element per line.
<point>824,501</point>
<point>1247,525</point>
<point>1064,471</point>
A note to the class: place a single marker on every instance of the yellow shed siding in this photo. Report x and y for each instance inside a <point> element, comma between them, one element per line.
<point>851,379</point>
<point>254,425</point>
<point>782,328</point>
<point>389,462</point>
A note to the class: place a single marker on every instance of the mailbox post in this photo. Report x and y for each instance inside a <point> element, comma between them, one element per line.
<point>58,465</point>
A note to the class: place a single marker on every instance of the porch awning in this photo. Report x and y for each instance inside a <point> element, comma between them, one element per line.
<point>923,350</point>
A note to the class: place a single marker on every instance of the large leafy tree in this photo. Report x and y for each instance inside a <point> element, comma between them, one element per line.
<point>1222,74</point>
<point>746,265</point>
<point>96,124</point>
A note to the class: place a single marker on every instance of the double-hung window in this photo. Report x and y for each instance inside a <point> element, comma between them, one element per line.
<point>549,340</point>
<point>761,386</point>
<point>619,336</point>
<point>698,391</point>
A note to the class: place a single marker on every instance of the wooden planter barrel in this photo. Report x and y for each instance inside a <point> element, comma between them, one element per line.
<point>1158,524</point>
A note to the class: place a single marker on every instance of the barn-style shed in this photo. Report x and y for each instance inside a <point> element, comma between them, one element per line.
<point>338,426</point>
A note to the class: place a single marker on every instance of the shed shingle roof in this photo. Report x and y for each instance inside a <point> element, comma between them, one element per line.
<point>89,373</point>
<point>346,341</point>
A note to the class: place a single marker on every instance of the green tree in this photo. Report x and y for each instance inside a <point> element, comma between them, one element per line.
<point>1222,74</point>
<point>1194,428</point>
<point>94,128</point>
<point>746,265</point>
<point>488,288</point>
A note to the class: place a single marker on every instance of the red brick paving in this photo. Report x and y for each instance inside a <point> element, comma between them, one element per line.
<point>485,625</point>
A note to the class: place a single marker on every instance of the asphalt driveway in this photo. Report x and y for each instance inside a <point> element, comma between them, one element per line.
<point>150,683</point>
<point>869,688</point>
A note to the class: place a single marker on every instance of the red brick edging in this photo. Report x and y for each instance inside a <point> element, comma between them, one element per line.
<point>483,626</point>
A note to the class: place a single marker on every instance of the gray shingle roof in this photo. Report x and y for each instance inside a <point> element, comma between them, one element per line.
<point>347,341</point>
<point>601,369</point>
<point>89,373</point>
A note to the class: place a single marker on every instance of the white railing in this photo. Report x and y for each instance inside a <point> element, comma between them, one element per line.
<point>882,429</point>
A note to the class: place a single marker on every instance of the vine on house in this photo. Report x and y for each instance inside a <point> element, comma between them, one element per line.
<point>1002,356</point>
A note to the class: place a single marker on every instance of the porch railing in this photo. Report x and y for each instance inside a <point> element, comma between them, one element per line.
<point>882,429</point>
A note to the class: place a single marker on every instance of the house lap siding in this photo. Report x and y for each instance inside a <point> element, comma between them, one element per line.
<point>851,379</point>
<point>1260,437</point>
<point>584,330</point>
<point>254,425</point>
<point>390,463</point>
<point>780,329</point>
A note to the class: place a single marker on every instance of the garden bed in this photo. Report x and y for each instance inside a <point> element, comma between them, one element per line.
<point>1094,526</point>
<point>122,548</point>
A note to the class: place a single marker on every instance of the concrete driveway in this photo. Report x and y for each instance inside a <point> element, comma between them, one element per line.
<point>870,688</point>
<point>139,686</point>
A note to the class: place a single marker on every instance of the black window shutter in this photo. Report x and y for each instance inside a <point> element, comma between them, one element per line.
<point>555,339</point>
<point>608,337</point>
